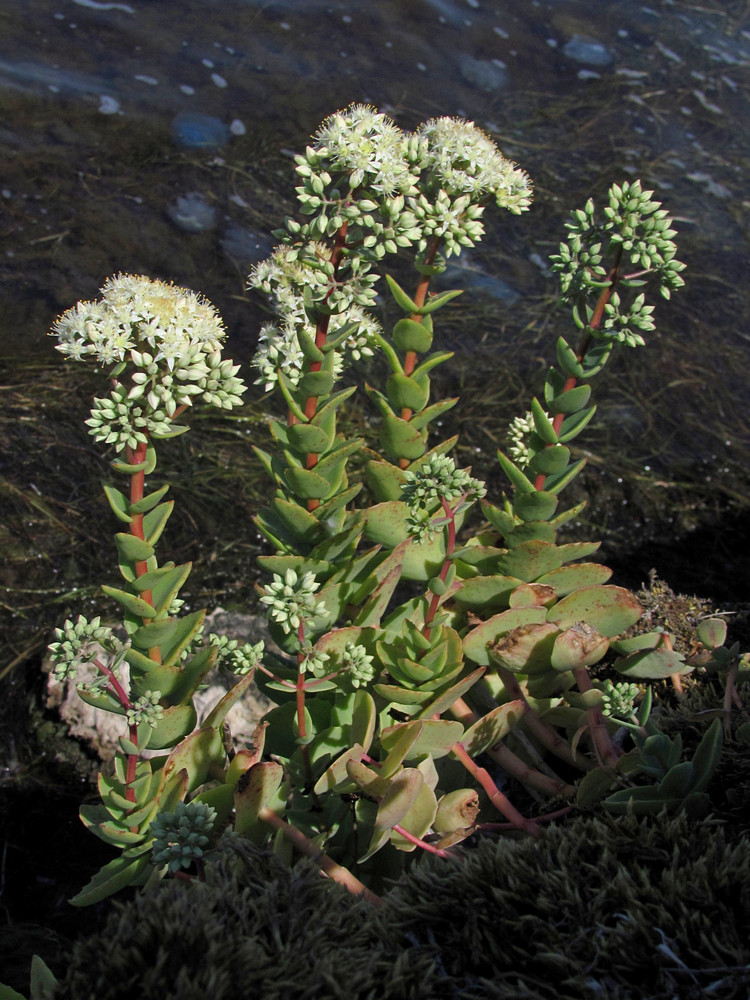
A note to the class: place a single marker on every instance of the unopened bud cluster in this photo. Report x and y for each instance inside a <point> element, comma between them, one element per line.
<point>291,600</point>
<point>77,643</point>
<point>180,836</point>
<point>236,656</point>
<point>435,481</point>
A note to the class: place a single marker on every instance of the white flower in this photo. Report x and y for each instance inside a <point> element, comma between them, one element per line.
<point>368,146</point>
<point>464,160</point>
<point>518,433</point>
<point>167,341</point>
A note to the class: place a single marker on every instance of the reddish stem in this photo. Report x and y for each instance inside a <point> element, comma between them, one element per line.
<point>544,732</point>
<point>606,750</point>
<point>326,864</point>
<point>450,548</point>
<point>613,278</point>
<point>418,842</point>
<point>499,801</point>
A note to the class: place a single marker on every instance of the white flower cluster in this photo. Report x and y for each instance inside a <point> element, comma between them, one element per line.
<point>165,342</point>
<point>518,434</point>
<point>368,147</point>
<point>384,189</point>
<point>463,160</point>
<point>289,275</point>
<point>291,600</point>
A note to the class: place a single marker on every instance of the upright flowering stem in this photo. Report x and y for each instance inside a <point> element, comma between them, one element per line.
<point>122,696</point>
<point>301,723</point>
<point>410,358</point>
<point>450,548</point>
<point>570,383</point>
<point>136,456</point>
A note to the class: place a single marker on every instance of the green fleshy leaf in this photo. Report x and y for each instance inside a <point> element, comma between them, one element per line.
<point>551,460</point>
<point>557,482</point>
<point>133,605</point>
<point>409,335</point>
<point>403,301</point>
<point>385,480</point>
<point>131,548</point>
<point>652,664</point>
<point>609,610</point>
<point>318,383</point>
<point>400,439</point>
<point>418,819</point>
<point>530,560</point>
<point>306,483</point>
<point>526,649</point>
<point>176,723</point>
<point>568,359</point>
<point>110,879</point>
<point>707,755</point>
<point>542,424</point>
<point>256,791</point>
<point>476,642</point>
<point>571,401</point>
<point>492,728</point>
<point>129,470</point>
<point>521,482</point>
<point>406,392</point>
<point>572,426</point>
<point>298,522</point>
<point>537,506</point>
<point>119,503</point>
<point>219,712</point>
<point>147,503</point>
<point>308,438</point>
<point>308,346</point>
<point>435,302</point>
<point>421,419</point>
<point>435,737</point>
<point>566,579</point>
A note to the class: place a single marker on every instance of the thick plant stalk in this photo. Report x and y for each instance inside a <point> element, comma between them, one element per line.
<point>497,798</point>
<point>606,750</point>
<point>613,277</point>
<point>510,762</point>
<point>546,734</point>
<point>327,865</point>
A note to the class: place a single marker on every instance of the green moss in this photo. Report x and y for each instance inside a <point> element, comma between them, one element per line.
<point>618,908</point>
<point>254,929</point>
<point>599,907</point>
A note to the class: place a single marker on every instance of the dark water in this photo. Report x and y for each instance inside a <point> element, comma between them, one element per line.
<point>155,136</point>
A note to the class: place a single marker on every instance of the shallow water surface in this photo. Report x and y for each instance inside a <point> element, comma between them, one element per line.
<point>156,136</point>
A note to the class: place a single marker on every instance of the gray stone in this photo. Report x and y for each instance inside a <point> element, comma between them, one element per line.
<point>197,131</point>
<point>193,213</point>
<point>484,74</point>
<point>100,730</point>
<point>587,50</point>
